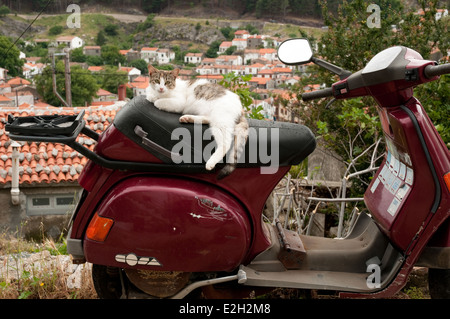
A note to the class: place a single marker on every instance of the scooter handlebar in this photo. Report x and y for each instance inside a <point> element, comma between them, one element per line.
<point>435,70</point>
<point>317,94</point>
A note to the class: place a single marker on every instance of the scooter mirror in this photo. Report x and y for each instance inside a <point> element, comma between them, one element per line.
<point>295,51</point>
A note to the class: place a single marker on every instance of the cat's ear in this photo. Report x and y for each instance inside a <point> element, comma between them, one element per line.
<point>175,72</point>
<point>151,69</point>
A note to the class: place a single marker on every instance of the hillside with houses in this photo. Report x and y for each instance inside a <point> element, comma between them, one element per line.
<point>252,54</point>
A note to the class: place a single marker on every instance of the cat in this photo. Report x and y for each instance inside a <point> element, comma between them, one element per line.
<point>200,101</point>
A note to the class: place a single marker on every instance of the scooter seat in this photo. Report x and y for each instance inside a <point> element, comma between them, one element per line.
<point>269,143</point>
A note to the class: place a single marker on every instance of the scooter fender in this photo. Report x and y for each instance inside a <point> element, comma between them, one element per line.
<point>171,224</point>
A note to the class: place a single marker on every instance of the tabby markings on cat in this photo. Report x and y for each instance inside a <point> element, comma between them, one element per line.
<point>204,103</point>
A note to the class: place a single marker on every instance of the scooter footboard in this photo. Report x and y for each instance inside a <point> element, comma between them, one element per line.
<point>170,224</point>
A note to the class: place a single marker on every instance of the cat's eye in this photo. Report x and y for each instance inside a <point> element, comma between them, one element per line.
<point>157,81</point>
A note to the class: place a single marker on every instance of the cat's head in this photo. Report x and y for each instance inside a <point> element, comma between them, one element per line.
<point>162,81</point>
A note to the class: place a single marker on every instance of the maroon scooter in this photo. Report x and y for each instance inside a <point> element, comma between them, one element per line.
<point>155,224</point>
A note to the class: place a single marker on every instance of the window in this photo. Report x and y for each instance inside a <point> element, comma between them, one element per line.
<point>51,204</point>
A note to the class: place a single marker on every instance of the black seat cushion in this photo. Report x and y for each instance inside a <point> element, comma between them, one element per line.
<point>160,133</point>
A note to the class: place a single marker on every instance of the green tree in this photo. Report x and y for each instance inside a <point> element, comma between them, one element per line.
<point>110,78</point>
<point>213,49</point>
<point>111,55</point>
<point>112,30</point>
<point>141,65</point>
<point>101,38</point>
<point>4,10</point>
<point>84,86</point>
<point>351,43</point>
<point>77,55</point>
<point>9,57</point>
<point>55,30</point>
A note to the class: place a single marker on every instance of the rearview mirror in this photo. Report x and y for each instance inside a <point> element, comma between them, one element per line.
<point>295,51</point>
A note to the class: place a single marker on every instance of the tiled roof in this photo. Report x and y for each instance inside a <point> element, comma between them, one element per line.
<point>50,163</point>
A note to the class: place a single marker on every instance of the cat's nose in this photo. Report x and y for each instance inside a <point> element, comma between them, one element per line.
<point>161,90</point>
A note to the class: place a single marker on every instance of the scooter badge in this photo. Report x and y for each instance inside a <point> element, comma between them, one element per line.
<point>133,260</point>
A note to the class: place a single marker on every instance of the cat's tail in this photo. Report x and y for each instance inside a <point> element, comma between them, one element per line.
<point>240,139</point>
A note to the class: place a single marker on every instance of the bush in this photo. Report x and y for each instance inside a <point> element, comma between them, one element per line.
<point>55,30</point>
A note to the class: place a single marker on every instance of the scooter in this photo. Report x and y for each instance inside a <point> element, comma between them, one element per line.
<point>155,224</point>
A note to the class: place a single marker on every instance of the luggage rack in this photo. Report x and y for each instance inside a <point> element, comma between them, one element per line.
<point>65,129</point>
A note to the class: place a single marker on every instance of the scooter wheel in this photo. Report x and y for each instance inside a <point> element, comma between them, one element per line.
<point>106,282</point>
<point>439,283</point>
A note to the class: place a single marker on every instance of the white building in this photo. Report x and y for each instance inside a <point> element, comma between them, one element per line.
<point>3,73</point>
<point>72,42</point>
<point>240,44</point>
<point>165,56</point>
<point>150,55</point>
<point>195,58</point>
<point>224,46</point>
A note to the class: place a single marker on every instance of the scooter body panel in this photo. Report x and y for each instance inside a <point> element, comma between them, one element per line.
<point>171,224</point>
<point>404,185</point>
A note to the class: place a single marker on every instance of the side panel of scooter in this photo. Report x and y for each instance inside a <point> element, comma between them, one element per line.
<point>171,224</point>
<point>402,193</point>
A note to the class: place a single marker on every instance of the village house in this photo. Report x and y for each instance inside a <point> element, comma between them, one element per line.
<point>250,55</point>
<point>241,34</point>
<point>212,78</point>
<point>194,58</point>
<point>187,74</point>
<point>95,68</point>
<point>208,61</point>
<point>229,60</point>
<point>21,97</point>
<point>150,55</point>
<point>104,95</point>
<point>240,44</point>
<point>262,83</point>
<point>6,101</point>
<point>203,69</point>
<point>92,50</point>
<point>3,74</point>
<point>255,42</point>
<point>17,81</point>
<point>71,42</point>
<point>165,56</point>
<point>30,70</point>
<point>132,72</point>
<point>253,69</point>
<point>4,88</point>
<point>140,86</point>
<point>224,46</point>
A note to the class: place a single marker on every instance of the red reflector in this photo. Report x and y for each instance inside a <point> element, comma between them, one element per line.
<point>99,228</point>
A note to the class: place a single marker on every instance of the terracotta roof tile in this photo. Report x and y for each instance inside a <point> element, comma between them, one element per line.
<point>45,163</point>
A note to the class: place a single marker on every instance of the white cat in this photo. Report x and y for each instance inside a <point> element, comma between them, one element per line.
<point>203,102</point>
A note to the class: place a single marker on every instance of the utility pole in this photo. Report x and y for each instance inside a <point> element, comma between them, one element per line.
<point>68,77</point>
<point>68,101</point>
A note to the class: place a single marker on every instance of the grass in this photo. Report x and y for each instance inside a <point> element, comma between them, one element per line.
<point>30,270</point>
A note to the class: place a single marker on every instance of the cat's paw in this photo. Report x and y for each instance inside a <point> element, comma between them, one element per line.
<point>151,98</point>
<point>159,104</point>
<point>210,165</point>
<point>186,119</point>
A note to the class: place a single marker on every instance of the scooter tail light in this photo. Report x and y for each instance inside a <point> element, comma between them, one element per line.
<point>447,180</point>
<point>99,228</point>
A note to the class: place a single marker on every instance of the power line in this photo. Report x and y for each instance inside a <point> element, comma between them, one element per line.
<point>29,26</point>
